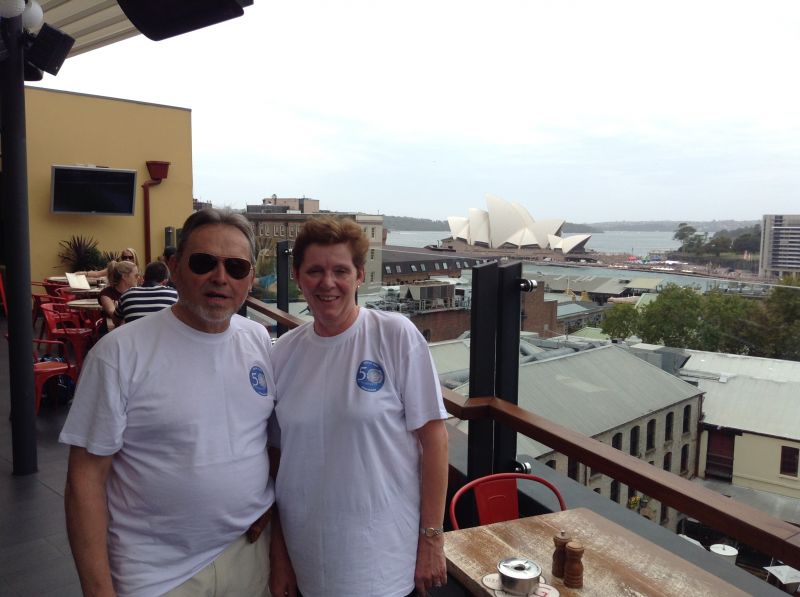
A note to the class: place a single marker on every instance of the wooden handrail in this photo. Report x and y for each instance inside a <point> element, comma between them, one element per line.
<point>282,317</point>
<point>746,524</point>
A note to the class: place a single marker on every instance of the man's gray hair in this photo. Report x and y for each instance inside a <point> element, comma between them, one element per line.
<point>211,216</point>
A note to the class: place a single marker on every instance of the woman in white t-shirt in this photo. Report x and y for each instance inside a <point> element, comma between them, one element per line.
<point>363,473</point>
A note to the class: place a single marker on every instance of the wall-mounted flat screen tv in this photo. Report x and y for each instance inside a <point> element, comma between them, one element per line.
<point>93,190</point>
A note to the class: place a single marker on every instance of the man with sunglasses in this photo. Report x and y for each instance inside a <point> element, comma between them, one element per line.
<point>168,466</point>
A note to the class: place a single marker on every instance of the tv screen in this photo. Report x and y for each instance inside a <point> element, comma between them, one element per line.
<point>93,190</point>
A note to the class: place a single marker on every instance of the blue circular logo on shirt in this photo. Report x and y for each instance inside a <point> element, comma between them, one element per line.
<point>370,376</point>
<point>258,380</point>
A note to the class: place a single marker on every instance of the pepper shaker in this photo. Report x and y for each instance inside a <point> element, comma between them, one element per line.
<point>573,567</point>
<point>559,554</point>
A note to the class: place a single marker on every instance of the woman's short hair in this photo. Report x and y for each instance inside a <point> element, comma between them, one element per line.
<point>327,231</point>
<point>210,216</point>
<point>117,269</point>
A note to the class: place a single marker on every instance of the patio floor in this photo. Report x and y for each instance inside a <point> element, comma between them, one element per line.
<point>35,557</point>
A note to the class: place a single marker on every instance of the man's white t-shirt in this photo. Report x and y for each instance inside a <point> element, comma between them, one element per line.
<point>348,487</point>
<point>185,415</point>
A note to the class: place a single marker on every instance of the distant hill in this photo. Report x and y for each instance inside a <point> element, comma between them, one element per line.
<point>672,225</point>
<point>570,228</point>
<point>405,223</point>
<point>713,226</point>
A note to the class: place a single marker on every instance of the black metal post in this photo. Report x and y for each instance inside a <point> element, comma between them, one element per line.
<point>482,365</point>
<point>16,237</point>
<point>507,358</point>
<point>282,272</point>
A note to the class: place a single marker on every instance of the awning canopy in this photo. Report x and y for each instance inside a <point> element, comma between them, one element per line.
<point>92,23</point>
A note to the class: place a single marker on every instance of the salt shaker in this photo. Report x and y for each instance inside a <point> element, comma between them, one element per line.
<point>573,566</point>
<point>559,554</point>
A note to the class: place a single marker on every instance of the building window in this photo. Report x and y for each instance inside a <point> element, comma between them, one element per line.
<point>372,276</point>
<point>458,264</point>
<point>572,469</point>
<point>664,513</point>
<point>397,269</point>
<point>413,267</point>
<point>668,462</point>
<point>651,434</point>
<point>597,490</point>
<point>685,458</point>
<point>616,441</point>
<point>634,445</point>
<point>436,264</point>
<point>789,460</point>
<point>275,229</point>
<point>373,231</point>
<point>687,418</point>
<point>444,265</point>
<point>615,490</point>
<point>551,464</point>
<point>668,427</point>
<point>283,230</point>
<point>371,254</point>
<point>388,269</point>
<point>292,230</point>
<point>422,266</point>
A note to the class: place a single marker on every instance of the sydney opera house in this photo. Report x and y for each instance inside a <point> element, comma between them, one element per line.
<point>505,225</point>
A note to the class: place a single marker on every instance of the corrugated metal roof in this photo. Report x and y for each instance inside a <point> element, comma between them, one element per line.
<point>594,391</point>
<point>762,406</point>
<point>591,333</point>
<point>452,355</point>
<point>729,365</point>
<point>565,309</point>
<point>645,283</point>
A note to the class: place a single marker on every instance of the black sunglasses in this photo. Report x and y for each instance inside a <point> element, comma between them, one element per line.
<point>202,263</point>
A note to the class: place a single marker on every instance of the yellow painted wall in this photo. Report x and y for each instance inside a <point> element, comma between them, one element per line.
<point>757,464</point>
<point>71,128</point>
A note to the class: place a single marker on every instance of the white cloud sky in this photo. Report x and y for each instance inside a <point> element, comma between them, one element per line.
<point>581,110</point>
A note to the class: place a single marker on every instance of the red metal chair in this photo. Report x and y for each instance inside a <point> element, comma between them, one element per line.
<point>44,371</point>
<point>64,324</point>
<point>496,497</point>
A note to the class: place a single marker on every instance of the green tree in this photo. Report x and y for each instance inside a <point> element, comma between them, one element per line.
<point>781,337</point>
<point>684,233</point>
<point>728,323</point>
<point>747,242</point>
<point>673,319</point>
<point>621,321</point>
<point>718,244</point>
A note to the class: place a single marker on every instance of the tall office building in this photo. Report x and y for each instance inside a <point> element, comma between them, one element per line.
<point>780,246</point>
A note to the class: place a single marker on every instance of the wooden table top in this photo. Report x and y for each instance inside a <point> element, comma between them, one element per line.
<point>615,561</point>
<point>87,303</point>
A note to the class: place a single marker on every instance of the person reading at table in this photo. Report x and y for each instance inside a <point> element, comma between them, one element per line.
<point>152,296</point>
<point>122,275</point>
<point>363,467</point>
<point>168,430</point>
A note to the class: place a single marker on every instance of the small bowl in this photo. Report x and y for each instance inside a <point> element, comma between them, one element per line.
<point>519,576</point>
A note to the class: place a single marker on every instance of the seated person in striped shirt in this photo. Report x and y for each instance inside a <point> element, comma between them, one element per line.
<point>153,296</point>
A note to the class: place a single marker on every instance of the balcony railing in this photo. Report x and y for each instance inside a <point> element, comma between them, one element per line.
<point>746,524</point>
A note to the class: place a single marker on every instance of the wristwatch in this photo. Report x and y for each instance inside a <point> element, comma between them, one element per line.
<point>431,531</point>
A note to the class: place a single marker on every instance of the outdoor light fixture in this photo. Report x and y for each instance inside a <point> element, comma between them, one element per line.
<point>49,49</point>
<point>33,16</point>
<point>160,19</point>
